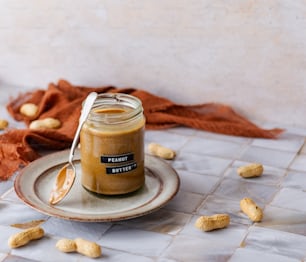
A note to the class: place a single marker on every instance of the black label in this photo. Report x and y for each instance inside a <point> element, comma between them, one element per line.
<point>115,159</point>
<point>121,169</point>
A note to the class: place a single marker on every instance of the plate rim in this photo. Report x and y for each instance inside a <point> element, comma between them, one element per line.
<point>61,157</point>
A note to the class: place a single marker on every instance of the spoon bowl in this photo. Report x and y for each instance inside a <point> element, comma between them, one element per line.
<point>63,183</point>
<point>66,176</point>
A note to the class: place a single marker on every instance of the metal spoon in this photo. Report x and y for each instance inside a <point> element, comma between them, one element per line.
<point>66,175</point>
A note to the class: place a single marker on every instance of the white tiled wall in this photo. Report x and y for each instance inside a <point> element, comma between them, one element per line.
<point>250,54</point>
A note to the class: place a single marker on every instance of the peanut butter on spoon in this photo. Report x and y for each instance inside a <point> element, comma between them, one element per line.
<point>63,183</point>
<point>66,176</point>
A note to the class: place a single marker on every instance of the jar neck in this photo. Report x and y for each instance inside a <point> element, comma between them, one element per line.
<point>114,109</point>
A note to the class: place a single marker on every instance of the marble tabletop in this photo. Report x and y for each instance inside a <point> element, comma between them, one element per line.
<point>206,164</point>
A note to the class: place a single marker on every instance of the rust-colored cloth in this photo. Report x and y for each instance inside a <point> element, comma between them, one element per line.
<point>63,101</point>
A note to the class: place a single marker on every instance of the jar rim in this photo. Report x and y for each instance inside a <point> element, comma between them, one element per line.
<point>115,100</point>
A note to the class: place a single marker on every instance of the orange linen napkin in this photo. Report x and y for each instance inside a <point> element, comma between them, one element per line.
<point>63,101</point>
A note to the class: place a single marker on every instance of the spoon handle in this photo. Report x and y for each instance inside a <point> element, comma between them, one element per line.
<point>90,99</point>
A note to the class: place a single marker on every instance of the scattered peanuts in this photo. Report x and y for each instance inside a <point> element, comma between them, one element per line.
<point>209,223</point>
<point>251,170</point>
<point>49,123</point>
<point>82,246</point>
<point>249,207</point>
<point>161,151</point>
<point>29,109</point>
<point>3,124</point>
<point>24,237</point>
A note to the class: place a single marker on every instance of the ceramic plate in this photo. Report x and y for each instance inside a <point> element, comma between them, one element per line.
<point>34,183</point>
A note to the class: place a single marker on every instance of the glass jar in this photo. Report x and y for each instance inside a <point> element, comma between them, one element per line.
<point>112,145</point>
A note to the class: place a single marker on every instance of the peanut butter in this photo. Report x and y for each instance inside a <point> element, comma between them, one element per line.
<point>112,147</point>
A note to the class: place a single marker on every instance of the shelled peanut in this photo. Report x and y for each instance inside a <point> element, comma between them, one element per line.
<point>29,110</point>
<point>250,170</point>
<point>82,246</point>
<point>209,223</point>
<point>47,123</point>
<point>161,151</point>
<point>3,124</point>
<point>24,237</point>
<point>250,208</point>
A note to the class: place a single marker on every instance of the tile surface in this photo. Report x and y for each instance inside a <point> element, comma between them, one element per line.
<point>276,242</point>
<point>206,164</point>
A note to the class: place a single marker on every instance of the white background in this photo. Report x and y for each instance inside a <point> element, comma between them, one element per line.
<point>250,54</point>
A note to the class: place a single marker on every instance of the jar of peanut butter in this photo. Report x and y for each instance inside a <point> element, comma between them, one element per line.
<point>112,145</point>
